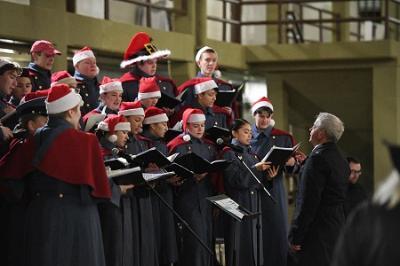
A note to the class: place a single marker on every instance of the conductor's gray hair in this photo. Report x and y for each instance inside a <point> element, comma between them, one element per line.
<point>331,125</point>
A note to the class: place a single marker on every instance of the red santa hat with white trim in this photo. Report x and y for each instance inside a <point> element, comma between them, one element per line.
<point>205,86</point>
<point>131,109</point>
<point>61,98</point>
<point>63,77</point>
<point>262,102</point>
<point>154,115</point>
<point>140,48</point>
<point>108,85</point>
<point>82,54</point>
<point>114,123</point>
<point>192,115</point>
<point>148,88</point>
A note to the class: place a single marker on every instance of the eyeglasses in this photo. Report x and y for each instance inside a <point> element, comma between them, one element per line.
<point>357,172</point>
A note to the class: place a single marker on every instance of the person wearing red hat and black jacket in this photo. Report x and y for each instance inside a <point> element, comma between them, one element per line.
<point>207,60</point>
<point>201,93</point>
<point>86,71</point>
<point>116,220</point>
<point>110,99</point>
<point>141,59</point>
<point>31,115</point>
<point>142,212</point>
<point>275,216</point>
<point>67,178</point>
<point>42,53</point>
<point>190,201</point>
<point>149,92</point>
<point>155,125</point>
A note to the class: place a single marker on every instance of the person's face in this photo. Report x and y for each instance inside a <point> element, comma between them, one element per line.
<point>36,123</point>
<point>196,129</point>
<point>136,122</point>
<point>43,60</point>
<point>112,99</point>
<point>87,67</point>
<point>207,63</point>
<point>355,172</point>
<point>149,102</point>
<point>149,67</point>
<point>243,134</point>
<point>263,119</point>
<point>316,135</point>
<point>159,129</point>
<point>24,86</point>
<point>8,81</point>
<point>207,98</point>
<point>122,138</point>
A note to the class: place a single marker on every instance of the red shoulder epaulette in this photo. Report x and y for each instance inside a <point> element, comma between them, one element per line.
<point>279,132</point>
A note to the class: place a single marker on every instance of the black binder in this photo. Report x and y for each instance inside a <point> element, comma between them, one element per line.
<point>215,132</point>
<point>134,176</point>
<point>167,101</point>
<point>198,165</point>
<point>278,156</point>
<point>151,156</point>
<point>225,97</point>
<point>180,170</point>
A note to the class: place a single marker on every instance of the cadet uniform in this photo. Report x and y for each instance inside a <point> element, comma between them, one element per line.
<point>139,50</point>
<point>116,216</point>
<point>243,243</point>
<point>62,214</point>
<point>40,77</point>
<point>215,115</point>
<point>191,202</point>
<point>274,215</point>
<point>164,221</point>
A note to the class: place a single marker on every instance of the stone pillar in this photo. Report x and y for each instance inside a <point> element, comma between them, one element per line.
<point>386,116</point>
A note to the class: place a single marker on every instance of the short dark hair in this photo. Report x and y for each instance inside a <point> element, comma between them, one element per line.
<point>354,160</point>
<point>262,109</point>
<point>239,123</point>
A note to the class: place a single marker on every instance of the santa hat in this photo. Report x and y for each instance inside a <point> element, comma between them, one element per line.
<point>108,85</point>
<point>114,123</point>
<point>34,95</point>
<point>82,54</point>
<point>201,51</point>
<point>131,108</point>
<point>140,48</point>
<point>192,116</point>
<point>154,115</point>
<point>148,88</point>
<point>205,86</point>
<point>61,98</point>
<point>62,77</point>
<point>263,102</point>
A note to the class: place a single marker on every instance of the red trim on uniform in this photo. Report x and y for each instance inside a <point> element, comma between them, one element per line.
<point>75,157</point>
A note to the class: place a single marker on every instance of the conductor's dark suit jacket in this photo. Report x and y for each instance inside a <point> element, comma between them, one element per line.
<point>319,214</point>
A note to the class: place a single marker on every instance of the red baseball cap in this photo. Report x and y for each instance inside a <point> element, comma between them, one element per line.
<point>44,46</point>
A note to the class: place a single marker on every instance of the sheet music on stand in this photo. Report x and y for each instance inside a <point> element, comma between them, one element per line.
<point>232,208</point>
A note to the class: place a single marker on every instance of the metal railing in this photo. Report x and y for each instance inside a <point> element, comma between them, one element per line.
<point>385,12</point>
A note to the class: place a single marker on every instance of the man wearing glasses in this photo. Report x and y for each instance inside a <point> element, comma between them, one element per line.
<point>356,192</point>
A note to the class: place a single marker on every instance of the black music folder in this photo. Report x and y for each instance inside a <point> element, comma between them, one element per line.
<point>199,165</point>
<point>225,97</point>
<point>215,132</point>
<point>167,101</point>
<point>180,170</point>
<point>135,176</point>
<point>278,156</point>
<point>153,156</point>
<point>116,163</point>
